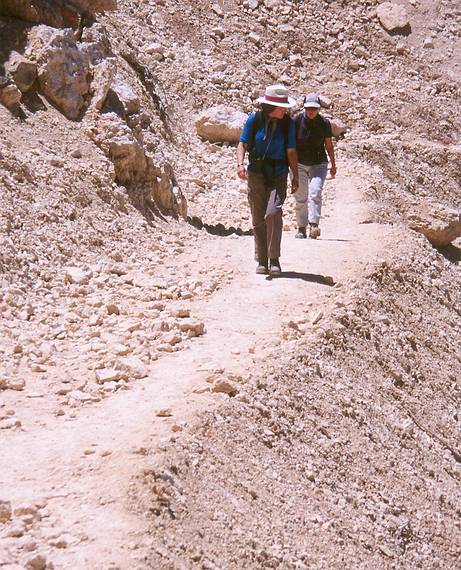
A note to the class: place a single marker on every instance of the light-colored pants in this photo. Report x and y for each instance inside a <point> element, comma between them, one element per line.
<point>309,195</point>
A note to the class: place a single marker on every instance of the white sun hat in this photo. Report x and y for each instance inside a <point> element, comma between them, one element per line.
<point>277,95</point>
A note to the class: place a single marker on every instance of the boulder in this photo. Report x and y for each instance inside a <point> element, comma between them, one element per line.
<point>21,70</point>
<point>440,225</point>
<point>338,127</point>
<point>392,16</point>
<point>63,70</point>
<point>56,13</point>
<point>220,124</point>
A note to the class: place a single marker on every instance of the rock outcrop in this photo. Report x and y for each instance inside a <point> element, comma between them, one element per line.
<point>147,182</point>
<point>56,13</point>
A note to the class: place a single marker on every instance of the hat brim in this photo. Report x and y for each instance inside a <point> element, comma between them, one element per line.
<point>291,102</point>
<point>311,106</point>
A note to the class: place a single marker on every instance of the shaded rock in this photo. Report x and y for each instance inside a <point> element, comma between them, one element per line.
<point>22,70</point>
<point>63,71</point>
<point>441,225</point>
<point>220,124</point>
<point>392,16</point>
<point>10,96</point>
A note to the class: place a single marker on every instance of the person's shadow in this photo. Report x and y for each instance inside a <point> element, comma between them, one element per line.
<point>311,277</point>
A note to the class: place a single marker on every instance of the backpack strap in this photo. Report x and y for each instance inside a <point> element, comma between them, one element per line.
<point>257,123</point>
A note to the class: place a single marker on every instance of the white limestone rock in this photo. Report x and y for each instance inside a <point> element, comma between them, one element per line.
<point>440,225</point>
<point>220,124</point>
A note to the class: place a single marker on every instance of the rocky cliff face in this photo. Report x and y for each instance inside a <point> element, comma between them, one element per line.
<point>56,13</point>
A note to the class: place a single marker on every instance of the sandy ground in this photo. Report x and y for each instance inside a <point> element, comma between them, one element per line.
<point>81,467</point>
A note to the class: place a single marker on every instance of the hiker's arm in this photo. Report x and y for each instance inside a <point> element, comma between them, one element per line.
<point>241,150</point>
<point>331,154</point>
<point>292,157</point>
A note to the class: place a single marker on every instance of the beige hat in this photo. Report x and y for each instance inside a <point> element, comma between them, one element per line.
<point>277,95</point>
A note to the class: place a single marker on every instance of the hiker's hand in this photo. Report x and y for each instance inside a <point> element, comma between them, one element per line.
<point>333,171</point>
<point>241,172</point>
<point>294,185</point>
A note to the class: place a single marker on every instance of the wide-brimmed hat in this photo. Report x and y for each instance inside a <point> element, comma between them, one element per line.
<point>312,101</point>
<point>277,95</point>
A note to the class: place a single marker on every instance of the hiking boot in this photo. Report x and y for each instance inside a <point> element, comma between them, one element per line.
<point>262,268</point>
<point>301,233</point>
<point>314,231</point>
<point>274,267</point>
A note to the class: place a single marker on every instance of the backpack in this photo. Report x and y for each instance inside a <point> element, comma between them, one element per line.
<point>259,122</point>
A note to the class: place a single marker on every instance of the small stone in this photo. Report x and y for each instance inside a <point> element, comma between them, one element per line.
<point>192,327</point>
<point>9,424</point>
<point>164,413</point>
<point>15,384</point>
<point>26,509</point>
<point>5,511</point>
<point>37,562</point>
<point>224,386</point>
<point>180,313</point>
<point>113,309</point>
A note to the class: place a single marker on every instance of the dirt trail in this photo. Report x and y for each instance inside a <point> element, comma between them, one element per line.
<point>82,467</point>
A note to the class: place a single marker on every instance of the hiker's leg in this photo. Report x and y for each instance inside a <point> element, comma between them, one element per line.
<point>274,220</point>
<point>301,196</point>
<point>257,198</point>
<point>317,176</point>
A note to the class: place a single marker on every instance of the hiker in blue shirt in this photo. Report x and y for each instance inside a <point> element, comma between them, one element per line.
<point>270,139</point>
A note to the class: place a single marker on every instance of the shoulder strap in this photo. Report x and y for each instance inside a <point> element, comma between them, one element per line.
<point>286,128</point>
<point>257,123</point>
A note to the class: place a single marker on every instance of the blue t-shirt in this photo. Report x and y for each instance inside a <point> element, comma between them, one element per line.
<point>275,146</point>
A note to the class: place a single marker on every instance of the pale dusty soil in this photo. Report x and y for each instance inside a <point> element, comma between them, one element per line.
<point>80,468</point>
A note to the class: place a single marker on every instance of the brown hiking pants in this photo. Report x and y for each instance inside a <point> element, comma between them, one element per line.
<point>266,197</point>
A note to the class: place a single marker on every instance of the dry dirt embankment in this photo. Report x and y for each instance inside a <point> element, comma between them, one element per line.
<point>346,452</point>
